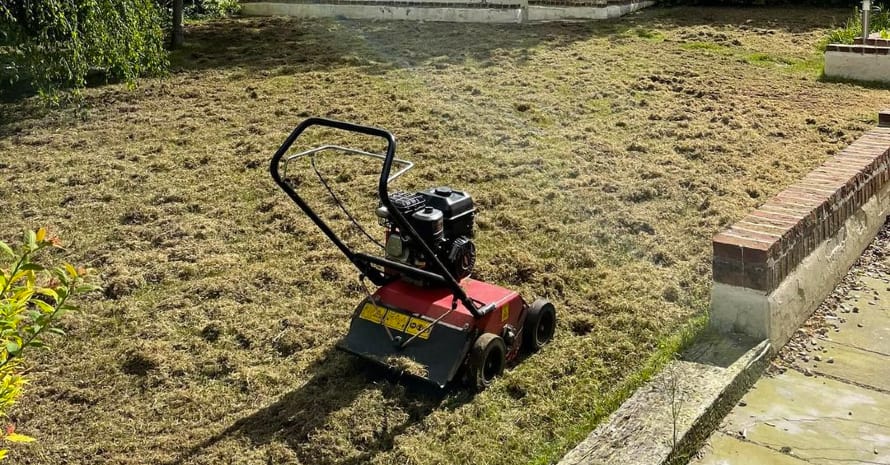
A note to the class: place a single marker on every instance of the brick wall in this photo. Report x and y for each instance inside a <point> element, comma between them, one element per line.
<point>759,251</point>
<point>865,49</point>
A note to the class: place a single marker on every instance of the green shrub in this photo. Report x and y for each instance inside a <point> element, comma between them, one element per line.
<point>215,8</point>
<point>204,9</point>
<point>55,44</point>
<point>879,22</point>
<point>32,299</point>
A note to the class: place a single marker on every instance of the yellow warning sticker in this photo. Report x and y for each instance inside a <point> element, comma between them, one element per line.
<point>373,313</point>
<point>396,320</point>
<point>505,313</point>
<point>416,325</point>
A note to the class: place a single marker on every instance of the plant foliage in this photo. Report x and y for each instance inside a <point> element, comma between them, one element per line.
<point>879,21</point>
<point>204,9</point>
<point>53,44</point>
<point>32,299</point>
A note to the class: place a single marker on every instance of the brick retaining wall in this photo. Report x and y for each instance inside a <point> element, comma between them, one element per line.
<point>759,251</point>
<point>757,255</point>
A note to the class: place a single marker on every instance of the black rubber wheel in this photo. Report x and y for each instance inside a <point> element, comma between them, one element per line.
<point>540,325</point>
<point>487,360</point>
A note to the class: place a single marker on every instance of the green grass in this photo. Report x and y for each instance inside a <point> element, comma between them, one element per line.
<point>811,65</point>
<point>666,352</point>
<point>707,46</point>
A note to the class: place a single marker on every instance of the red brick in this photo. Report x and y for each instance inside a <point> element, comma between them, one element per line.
<point>727,249</point>
<point>756,239</point>
<point>825,179</point>
<point>799,201</point>
<point>824,188</point>
<point>783,223</point>
<point>775,216</point>
<point>729,272</point>
<point>730,237</point>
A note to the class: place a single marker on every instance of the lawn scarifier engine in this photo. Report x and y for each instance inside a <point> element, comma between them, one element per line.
<point>427,316</point>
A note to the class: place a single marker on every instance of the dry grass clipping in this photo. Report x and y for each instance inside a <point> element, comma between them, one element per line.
<point>603,157</point>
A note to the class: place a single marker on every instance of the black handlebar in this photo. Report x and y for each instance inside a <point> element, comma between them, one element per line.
<point>362,261</point>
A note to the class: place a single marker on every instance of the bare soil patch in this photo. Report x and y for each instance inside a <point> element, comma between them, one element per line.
<point>603,157</point>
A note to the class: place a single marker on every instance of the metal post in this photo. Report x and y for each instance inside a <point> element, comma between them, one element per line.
<point>866,9</point>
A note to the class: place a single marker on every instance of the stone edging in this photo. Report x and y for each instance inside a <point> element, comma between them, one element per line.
<point>708,381</point>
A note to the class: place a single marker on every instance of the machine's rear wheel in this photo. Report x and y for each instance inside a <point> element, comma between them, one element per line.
<point>487,361</point>
<point>540,325</point>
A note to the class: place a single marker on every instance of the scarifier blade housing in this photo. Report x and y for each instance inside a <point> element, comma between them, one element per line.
<point>414,330</point>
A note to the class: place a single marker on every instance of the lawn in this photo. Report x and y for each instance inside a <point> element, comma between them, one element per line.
<point>603,157</point>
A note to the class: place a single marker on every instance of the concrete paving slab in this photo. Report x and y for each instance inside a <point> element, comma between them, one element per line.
<point>815,419</point>
<point>727,450</point>
<point>868,327</point>
<point>827,400</point>
<point>857,366</point>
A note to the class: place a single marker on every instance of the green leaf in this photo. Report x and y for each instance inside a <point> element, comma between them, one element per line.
<point>31,240</point>
<point>45,307</point>
<point>12,347</point>
<point>48,292</point>
<point>6,249</point>
<point>31,267</point>
<point>56,330</point>
<point>61,275</point>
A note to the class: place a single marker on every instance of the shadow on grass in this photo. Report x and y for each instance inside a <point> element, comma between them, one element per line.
<point>762,19</point>
<point>876,85</point>
<point>299,45</point>
<point>337,381</point>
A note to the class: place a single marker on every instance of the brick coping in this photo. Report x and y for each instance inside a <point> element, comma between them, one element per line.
<point>759,251</point>
<point>874,39</point>
<point>865,49</point>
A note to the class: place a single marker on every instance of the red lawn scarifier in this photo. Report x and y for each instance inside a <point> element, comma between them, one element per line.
<point>426,311</point>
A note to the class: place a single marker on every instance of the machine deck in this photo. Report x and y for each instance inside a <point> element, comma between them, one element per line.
<point>413,328</point>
